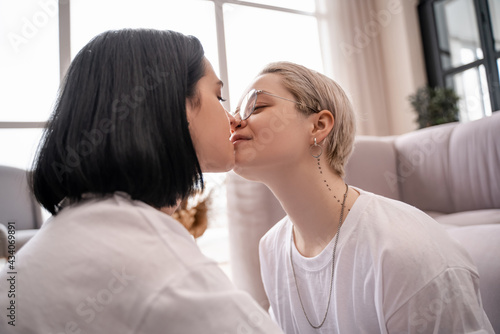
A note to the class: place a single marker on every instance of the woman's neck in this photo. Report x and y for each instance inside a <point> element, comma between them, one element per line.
<point>312,197</point>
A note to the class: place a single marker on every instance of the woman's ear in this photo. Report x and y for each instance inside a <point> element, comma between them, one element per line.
<point>191,109</point>
<point>322,124</point>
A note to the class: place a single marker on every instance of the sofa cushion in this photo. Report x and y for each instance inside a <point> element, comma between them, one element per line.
<point>452,167</point>
<point>474,157</point>
<point>468,218</point>
<point>423,168</point>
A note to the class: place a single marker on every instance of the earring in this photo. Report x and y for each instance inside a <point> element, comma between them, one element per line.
<point>313,147</point>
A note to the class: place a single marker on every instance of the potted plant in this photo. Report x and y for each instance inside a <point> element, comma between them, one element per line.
<point>435,105</point>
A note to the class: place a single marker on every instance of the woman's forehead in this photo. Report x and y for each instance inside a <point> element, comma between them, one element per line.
<point>271,83</point>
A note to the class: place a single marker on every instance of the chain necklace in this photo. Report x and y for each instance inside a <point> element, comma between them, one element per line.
<point>333,266</point>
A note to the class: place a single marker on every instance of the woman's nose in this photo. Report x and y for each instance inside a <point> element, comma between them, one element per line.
<point>234,121</point>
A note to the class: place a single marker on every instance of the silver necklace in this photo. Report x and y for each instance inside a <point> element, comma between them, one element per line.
<point>333,266</point>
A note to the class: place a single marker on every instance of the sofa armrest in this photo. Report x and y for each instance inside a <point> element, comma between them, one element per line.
<point>252,211</point>
<point>3,241</point>
<point>372,166</point>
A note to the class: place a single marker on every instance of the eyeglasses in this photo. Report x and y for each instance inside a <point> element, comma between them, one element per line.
<point>248,103</point>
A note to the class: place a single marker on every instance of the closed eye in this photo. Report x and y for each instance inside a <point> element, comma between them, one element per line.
<point>221,99</point>
<point>259,107</point>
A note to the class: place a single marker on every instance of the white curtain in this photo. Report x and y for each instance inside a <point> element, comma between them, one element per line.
<point>372,49</point>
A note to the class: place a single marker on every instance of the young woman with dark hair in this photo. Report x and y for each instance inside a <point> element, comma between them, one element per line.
<point>120,123</point>
<point>137,121</point>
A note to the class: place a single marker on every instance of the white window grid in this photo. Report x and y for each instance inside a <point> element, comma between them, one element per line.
<point>64,21</point>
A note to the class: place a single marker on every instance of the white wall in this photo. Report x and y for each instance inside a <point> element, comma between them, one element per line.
<point>403,63</point>
<point>374,51</point>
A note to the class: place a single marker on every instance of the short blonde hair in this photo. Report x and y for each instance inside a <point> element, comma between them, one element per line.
<point>315,90</point>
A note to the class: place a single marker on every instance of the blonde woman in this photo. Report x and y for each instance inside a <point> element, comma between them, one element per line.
<point>342,260</point>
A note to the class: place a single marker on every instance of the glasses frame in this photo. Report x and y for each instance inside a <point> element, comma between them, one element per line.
<point>241,111</point>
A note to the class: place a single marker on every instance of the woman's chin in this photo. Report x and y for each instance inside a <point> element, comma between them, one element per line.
<point>219,166</point>
<point>245,172</point>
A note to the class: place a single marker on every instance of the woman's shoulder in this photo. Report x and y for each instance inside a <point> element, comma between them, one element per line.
<point>278,232</point>
<point>401,235</point>
<point>276,235</point>
<point>126,229</point>
<point>119,210</point>
<point>384,209</point>
<point>392,222</point>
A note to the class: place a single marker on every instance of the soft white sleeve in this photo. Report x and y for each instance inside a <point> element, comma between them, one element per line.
<point>265,256</point>
<point>450,303</point>
<point>204,301</point>
<point>271,313</point>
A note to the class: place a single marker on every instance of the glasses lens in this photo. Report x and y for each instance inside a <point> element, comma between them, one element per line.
<point>247,105</point>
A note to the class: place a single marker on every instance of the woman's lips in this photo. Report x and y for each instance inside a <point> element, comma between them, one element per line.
<point>238,138</point>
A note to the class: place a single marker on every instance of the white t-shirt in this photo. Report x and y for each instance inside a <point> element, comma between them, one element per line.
<point>120,266</point>
<point>396,271</point>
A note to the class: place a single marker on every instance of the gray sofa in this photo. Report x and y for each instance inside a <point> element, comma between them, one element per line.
<point>17,205</point>
<point>450,171</point>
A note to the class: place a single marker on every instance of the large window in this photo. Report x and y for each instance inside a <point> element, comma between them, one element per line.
<point>40,37</point>
<point>462,48</point>
<point>29,67</point>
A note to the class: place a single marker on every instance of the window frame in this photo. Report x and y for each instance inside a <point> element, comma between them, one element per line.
<point>64,20</point>
<point>64,45</point>
<point>436,74</point>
